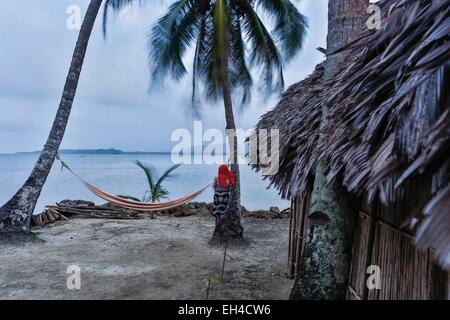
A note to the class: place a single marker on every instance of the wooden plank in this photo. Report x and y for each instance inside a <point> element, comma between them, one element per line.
<point>374,260</point>
<point>360,254</point>
<point>297,231</point>
<point>289,271</point>
<point>353,295</point>
<point>406,272</point>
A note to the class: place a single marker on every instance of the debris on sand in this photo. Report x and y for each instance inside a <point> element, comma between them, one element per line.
<point>66,209</point>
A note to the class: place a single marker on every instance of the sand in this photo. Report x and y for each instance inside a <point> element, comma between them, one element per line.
<point>163,258</point>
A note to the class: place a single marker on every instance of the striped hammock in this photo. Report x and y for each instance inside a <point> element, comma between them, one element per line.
<point>136,205</point>
<point>131,204</point>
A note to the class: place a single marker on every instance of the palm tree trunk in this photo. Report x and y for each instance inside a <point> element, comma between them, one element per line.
<point>230,227</point>
<point>325,264</point>
<point>15,215</point>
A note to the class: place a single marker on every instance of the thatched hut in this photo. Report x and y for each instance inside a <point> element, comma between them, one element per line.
<point>387,140</point>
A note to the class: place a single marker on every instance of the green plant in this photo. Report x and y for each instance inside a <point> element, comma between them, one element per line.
<point>209,284</point>
<point>155,191</point>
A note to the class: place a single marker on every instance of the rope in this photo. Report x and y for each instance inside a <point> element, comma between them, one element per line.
<point>64,165</point>
<point>123,202</point>
<point>54,149</point>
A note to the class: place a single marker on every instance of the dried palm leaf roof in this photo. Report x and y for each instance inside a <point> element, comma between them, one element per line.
<point>388,119</point>
<point>297,117</point>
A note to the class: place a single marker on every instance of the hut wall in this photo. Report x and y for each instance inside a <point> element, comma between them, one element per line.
<point>380,240</point>
<point>297,233</point>
<point>406,273</point>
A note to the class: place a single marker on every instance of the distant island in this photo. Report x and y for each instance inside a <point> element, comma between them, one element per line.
<point>110,151</point>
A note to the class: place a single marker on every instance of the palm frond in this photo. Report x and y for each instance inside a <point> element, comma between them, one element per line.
<point>265,53</point>
<point>166,175</point>
<point>290,26</point>
<point>129,197</point>
<point>239,72</point>
<point>170,37</point>
<point>162,194</point>
<point>149,173</point>
<point>196,70</point>
<point>115,5</point>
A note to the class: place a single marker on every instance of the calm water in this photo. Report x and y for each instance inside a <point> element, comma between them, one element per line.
<point>119,175</point>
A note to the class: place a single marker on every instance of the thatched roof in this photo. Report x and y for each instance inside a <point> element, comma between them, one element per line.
<point>388,120</point>
<point>297,116</point>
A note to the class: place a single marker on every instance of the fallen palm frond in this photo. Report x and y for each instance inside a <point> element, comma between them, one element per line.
<point>388,119</point>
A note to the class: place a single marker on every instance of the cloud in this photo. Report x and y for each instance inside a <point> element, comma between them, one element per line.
<point>113,107</point>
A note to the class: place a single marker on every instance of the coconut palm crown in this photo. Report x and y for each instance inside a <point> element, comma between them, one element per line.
<point>230,39</point>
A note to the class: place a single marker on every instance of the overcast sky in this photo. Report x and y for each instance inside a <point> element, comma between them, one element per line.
<point>113,106</point>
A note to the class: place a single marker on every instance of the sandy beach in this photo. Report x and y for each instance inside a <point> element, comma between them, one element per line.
<point>163,258</point>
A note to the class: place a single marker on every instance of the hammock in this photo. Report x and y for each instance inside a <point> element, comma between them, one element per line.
<point>131,204</point>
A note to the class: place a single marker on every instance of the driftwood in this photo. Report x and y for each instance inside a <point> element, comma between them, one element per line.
<point>60,212</point>
<point>98,212</point>
<point>66,209</point>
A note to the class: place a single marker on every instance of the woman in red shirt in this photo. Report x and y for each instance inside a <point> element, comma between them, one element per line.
<point>221,185</point>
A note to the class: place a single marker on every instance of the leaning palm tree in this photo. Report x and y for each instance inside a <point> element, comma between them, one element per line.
<point>16,213</point>
<point>156,191</point>
<point>229,39</point>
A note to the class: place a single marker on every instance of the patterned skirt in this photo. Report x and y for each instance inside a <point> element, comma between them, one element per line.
<point>221,199</point>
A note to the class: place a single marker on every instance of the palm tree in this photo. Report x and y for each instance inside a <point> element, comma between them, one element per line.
<point>156,192</point>
<point>16,213</point>
<point>325,264</point>
<point>230,39</point>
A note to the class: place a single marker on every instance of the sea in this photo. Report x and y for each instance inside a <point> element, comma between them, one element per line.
<point>118,174</point>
